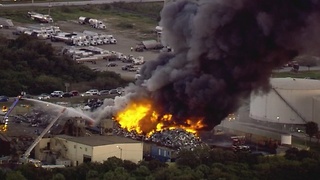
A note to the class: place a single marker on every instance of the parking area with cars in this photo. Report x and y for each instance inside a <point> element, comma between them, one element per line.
<point>123,48</point>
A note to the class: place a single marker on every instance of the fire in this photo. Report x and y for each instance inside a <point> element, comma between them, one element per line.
<point>142,118</point>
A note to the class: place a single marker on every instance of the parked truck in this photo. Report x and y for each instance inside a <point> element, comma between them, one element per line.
<point>106,39</point>
<point>42,18</point>
<point>61,37</point>
<point>95,23</point>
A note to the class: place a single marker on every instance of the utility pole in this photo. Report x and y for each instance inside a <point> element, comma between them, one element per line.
<point>120,152</point>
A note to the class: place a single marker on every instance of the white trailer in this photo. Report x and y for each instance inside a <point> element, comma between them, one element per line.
<point>61,37</point>
<point>42,18</point>
<point>95,23</point>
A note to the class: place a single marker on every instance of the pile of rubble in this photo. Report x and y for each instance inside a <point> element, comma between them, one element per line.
<point>36,117</point>
<point>176,138</point>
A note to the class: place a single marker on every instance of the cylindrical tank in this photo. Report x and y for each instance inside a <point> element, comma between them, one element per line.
<point>290,101</point>
<point>286,139</point>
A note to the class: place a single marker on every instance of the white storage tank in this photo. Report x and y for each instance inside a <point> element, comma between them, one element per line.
<point>286,139</point>
<point>290,101</point>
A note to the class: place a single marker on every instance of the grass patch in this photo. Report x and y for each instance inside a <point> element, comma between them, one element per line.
<point>125,25</point>
<point>134,20</point>
<point>301,74</point>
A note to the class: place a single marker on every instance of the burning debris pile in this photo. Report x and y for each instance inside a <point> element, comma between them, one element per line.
<point>223,51</point>
<point>175,138</point>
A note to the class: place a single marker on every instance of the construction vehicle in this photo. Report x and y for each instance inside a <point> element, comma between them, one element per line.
<point>42,18</point>
<point>6,116</point>
<point>92,22</point>
<point>4,109</point>
<point>25,157</point>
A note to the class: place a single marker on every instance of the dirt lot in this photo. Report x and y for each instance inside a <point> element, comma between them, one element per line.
<point>124,44</point>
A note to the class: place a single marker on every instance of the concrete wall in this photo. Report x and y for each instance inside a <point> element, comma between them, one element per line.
<point>128,151</point>
<point>71,150</point>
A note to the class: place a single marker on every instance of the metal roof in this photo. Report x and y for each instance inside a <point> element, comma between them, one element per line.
<point>295,84</point>
<point>98,140</point>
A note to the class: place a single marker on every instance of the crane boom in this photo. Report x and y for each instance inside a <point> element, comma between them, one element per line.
<point>38,139</point>
<point>12,107</point>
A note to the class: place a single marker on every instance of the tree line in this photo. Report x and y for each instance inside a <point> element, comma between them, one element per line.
<point>34,66</point>
<point>201,163</point>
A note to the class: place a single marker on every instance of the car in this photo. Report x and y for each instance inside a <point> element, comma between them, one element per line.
<point>114,91</point>
<point>75,93</point>
<point>93,92</point>
<point>127,67</point>
<point>56,93</point>
<point>112,64</point>
<point>4,98</point>
<point>43,96</point>
<point>66,95</point>
<point>133,69</point>
<point>104,92</point>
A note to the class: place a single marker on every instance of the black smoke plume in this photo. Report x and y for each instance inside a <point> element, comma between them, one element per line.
<point>223,51</point>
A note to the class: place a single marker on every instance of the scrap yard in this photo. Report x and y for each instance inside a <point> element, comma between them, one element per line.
<point>175,87</point>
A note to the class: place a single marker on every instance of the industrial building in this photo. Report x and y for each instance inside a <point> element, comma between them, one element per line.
<point>290,101</point>
<point>163,154</point>
<point>73,151</point>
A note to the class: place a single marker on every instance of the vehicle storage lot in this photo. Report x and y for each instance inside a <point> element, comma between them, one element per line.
<point>123,46</point>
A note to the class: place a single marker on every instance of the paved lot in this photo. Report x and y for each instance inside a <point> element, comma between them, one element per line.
<point>124,45</point>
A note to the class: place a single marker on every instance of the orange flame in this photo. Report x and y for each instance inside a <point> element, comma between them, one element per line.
<point>142,118</point>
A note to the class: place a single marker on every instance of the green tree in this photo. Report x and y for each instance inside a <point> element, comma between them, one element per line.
<point>142,171</point>
<point>318,136</point>
<point>121,173</point>
<point>92,175</point>
<point>112,163</point>
<point>109,175</point>
<point>15,175</point>
<point>58,176</point>
<point>308,61</point>
<point>311,129</point>
<point>188,158</point>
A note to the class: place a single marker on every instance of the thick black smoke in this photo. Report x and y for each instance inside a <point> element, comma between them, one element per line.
<point>223,51</point>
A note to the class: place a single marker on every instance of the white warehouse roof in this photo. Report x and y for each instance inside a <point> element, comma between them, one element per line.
<point>295,84</point>
<point>98,140</point>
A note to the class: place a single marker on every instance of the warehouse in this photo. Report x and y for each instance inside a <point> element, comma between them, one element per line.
<point>290,101</point>
<point>97,148</point>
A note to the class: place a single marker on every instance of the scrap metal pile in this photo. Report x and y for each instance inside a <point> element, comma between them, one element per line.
<point>36,117</point>
<point>173,138</point>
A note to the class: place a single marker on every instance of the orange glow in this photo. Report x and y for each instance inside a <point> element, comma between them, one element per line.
<point>3,128</point>
<point>142,118</point>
